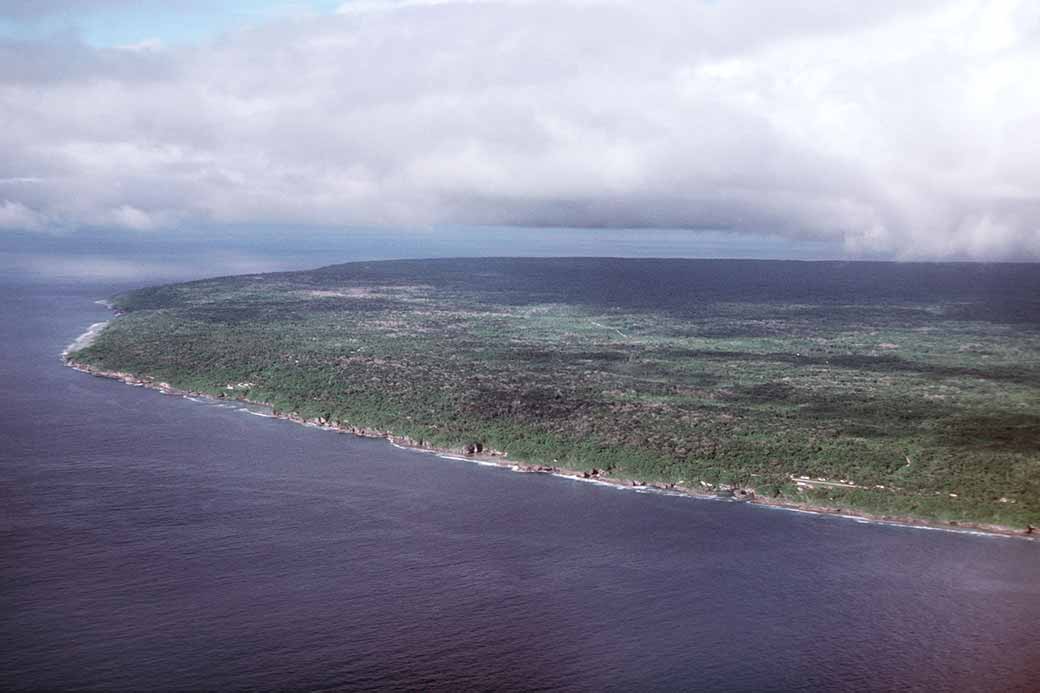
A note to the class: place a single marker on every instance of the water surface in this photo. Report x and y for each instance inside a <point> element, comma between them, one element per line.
<point>149,541</point>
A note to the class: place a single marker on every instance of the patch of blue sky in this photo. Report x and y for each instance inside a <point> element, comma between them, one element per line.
<point>115,24</point>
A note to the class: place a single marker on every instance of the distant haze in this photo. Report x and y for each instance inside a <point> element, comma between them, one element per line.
<point>907,130</point>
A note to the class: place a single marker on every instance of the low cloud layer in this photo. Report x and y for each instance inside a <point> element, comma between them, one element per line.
<point>902,129</point>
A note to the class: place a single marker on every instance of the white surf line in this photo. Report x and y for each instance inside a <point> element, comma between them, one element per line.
<point>85,339</point>
<point>608,327</point>
<point>560,475</point>
<point>481,463</point>
<point>447,456</point>
<point>689,496</point>
<point>859,519</point>
<point>256,413</point>
<point>88,337</point>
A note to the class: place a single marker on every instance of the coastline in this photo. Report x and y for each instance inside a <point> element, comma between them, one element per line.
<point>501,459</point>
<point>85,339</point>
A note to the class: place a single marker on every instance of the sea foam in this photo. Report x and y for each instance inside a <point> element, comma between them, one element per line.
<point>85,339</point>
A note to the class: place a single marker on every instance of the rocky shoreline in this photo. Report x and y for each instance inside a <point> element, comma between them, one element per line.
<point>477,453</point>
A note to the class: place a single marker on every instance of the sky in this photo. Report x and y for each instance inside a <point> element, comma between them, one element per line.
<point>887,129</point>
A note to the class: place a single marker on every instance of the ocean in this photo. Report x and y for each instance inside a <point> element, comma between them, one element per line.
<point>157,542</point>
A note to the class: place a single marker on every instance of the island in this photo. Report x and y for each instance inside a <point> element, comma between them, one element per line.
<point>897,391</point>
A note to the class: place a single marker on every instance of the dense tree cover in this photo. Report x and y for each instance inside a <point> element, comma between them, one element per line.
<point>918,384</point>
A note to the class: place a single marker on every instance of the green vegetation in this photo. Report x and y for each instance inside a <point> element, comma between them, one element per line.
<point>918,385</point>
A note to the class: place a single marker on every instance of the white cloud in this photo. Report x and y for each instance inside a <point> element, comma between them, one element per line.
<point>147,45</point>
<point>361,6</point>
<point>18,217</point>
<point>898,128</point>
<point>128,217</point>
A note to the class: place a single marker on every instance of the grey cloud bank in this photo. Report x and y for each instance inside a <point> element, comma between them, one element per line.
<point>907,129</point>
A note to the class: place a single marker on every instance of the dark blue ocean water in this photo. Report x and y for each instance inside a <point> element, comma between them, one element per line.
<point>149,541</point>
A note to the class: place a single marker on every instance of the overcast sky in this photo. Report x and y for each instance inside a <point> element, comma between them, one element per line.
<point>907,129</point>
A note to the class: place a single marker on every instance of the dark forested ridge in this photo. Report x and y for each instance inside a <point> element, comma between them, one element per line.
<point>914,388</point>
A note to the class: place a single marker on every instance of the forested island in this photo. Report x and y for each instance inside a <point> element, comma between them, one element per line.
<point>895,390</point>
